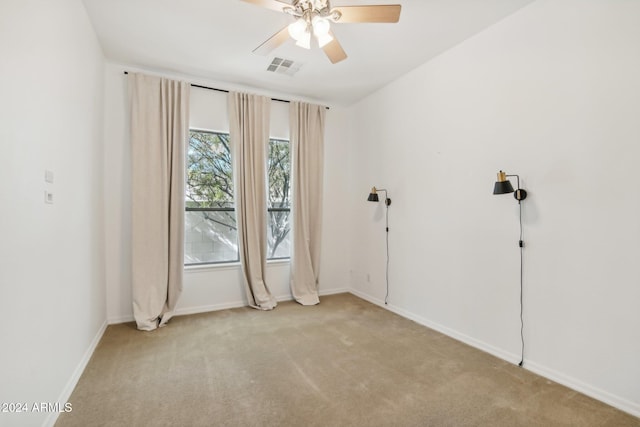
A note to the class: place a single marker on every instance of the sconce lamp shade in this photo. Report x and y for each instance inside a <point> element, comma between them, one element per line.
<point>503,185</point>
<point>373,196</point>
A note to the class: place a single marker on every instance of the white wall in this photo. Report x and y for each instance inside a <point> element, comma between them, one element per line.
<point>213,287</point>
<point>52,292</point>
<point>551,93</point>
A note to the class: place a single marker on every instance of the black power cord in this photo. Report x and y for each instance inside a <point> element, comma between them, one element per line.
<point>503,186</point>
<point>387,202</point>
<point>373,197</point>
<point>521,245</point>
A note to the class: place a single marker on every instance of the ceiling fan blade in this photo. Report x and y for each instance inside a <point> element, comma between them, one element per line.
<point>334,50</point>
<point>278,6</point>
<point>273,42</point>
<point>373,13</point>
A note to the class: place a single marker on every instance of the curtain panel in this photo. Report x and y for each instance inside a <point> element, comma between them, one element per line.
<point>159,135</point>
<point>249,137</point>
<point>307,158</point>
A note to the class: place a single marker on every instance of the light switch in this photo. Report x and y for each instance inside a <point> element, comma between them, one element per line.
<point>48,197</point>
<point>48,176</point>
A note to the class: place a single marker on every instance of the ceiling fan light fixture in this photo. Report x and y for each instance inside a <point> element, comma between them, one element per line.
<point>298,29</point>
<point>305,40</point>
<point>321,26</point>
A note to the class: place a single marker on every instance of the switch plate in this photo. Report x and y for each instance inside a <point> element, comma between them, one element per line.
<point>48,176</point>
<point>48,197</point>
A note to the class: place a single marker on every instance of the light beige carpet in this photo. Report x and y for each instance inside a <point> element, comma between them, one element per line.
<point>345,362</point>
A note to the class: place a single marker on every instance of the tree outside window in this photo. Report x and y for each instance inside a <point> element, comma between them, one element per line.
<point>279,200</point>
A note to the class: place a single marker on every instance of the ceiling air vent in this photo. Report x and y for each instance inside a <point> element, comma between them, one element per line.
<point>283,66</point>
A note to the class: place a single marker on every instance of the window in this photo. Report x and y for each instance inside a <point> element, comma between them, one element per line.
<point>279,200</point>
<point>211,233</point>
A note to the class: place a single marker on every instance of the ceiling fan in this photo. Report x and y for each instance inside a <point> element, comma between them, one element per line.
<point>315,17</point>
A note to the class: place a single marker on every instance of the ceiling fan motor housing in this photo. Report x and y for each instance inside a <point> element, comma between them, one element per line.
<point>306,8</point>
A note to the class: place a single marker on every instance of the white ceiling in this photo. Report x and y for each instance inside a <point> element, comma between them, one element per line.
<point>214,39</point>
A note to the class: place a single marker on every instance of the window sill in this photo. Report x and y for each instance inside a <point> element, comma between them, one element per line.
<point>221,266</point>
<point>279,261</point>
<point>230,265</point>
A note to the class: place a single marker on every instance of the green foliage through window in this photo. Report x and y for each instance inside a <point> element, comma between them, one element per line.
<point>209,176</point>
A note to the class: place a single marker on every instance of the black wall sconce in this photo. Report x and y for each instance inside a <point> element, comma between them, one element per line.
<point>503,186</point>
<point>373,197</point>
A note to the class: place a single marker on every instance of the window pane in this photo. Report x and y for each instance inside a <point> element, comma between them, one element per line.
<point>209,238</point>
<point>210,233</point>
<point>209,178</point>
<point>278,236</point>
<point>279,201</point>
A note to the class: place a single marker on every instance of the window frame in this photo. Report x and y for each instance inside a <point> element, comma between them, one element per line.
<point>232,209</point>
<point>269,210</point>
<point>210,209</point>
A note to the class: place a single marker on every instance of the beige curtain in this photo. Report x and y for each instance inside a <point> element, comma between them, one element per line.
<point>307,154</point>
<point>159,132</point>
<point>249,134</point>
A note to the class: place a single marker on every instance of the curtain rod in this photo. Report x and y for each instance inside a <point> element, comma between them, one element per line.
<point>226,91</point>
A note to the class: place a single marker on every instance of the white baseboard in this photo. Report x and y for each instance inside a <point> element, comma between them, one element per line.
<point>627,406</point>
<point>238,304</point>
<point>324,292</point>
<point>75,377</point>
<point>223,306</point>
<point>210,307</point>
<point>481,345</point>
<point>182,311</point>
<point>120,319</point>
